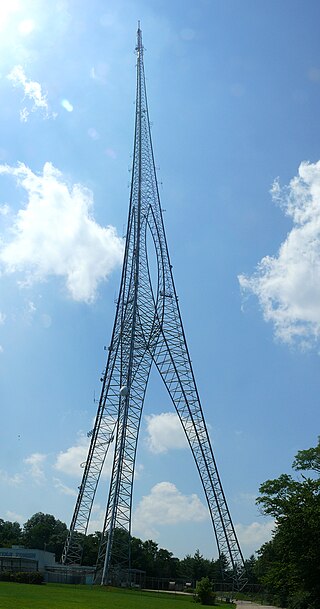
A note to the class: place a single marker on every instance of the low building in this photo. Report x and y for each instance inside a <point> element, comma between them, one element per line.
<point>18,558</point>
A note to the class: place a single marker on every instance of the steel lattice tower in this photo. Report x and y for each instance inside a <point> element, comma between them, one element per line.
<point>147,329</point>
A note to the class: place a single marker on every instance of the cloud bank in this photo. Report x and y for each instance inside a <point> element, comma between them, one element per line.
<point>55,234</point>
<point>288,285</point>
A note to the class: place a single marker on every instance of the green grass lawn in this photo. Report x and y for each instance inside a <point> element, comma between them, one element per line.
<point>61,596</point>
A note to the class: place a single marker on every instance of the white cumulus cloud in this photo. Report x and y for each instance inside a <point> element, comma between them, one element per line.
<point>166,505</point>
<point>165,432</point>
<point>69,461</point>
<point>11,480</point>
<point>252,536</point>
<point>287,285</point>
<point>32,91</point>
<point>36,462</point>
<point>56,234</point>
<point>63,488</point>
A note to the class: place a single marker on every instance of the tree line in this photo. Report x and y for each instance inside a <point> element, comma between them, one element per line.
<point>45,532</point>
<point>287,567</point>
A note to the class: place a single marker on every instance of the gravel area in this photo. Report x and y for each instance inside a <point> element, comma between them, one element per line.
<point>249,605</point>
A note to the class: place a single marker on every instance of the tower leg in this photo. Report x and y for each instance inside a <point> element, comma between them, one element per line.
<point>173,362</point>
<point>114,557</point>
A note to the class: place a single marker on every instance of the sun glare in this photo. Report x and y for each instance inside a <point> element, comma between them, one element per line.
<point>26,26</point>
<point>6,10</point>
<point>67,105</point>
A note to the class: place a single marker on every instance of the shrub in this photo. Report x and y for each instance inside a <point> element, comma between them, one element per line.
<point>301,600</point>
<point>22,577</point>
<point>5,576</point>
<point>204,593</point>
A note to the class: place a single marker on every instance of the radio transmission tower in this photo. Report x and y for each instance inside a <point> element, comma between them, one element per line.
<point>147,330</point>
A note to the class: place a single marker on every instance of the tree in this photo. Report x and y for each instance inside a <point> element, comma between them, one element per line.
<point>195,567</point>
<point>201,566</point>
<point>250,566</point>
<point>156,562</point>
<point>90,548</point>
<point>290,563</point>
<point>165,564</point>
<point>150,551</point>
<point>45,532</point>
<point>308,459</point>
<point>204,593</point>
<point>137,554</point>
<point>220,570</point>
<point>10,533</point>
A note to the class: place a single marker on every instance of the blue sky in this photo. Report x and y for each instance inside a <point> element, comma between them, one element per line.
<point>234,92</point>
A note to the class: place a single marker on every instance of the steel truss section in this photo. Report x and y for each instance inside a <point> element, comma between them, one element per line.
<point>147,329</point>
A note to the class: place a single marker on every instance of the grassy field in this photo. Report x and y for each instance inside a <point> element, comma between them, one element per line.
<point>58,596</point>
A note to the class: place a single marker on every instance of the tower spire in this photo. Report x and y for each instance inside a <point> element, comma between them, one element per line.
<point>147,330</point>
<point>139,47</point>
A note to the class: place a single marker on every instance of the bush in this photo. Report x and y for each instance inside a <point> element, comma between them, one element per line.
<point>22,577</point>
<point>204,594</point>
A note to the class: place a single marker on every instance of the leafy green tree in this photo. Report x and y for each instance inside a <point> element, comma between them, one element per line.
<point>157,562</point>
<point>150,551</point>
<point>90,549</point>
<point>290,563</point>
<point>308,460</point>
<point>137,554</point>
<point>274,572</point>
<point>250,565</point>
<point>10,533</point>
<point>45,532</point>
<point>165,564</point>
